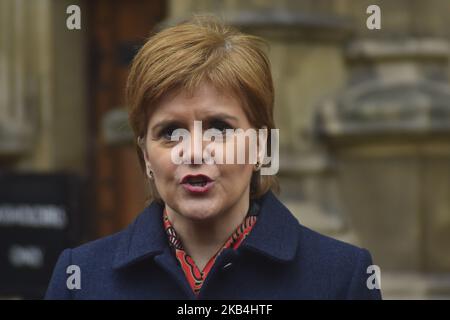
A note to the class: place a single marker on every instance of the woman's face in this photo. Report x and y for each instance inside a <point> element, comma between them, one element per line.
<point>229,184</point>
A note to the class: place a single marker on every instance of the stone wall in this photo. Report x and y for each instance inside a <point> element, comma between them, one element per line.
<point>43,109</point>
<point>364,119</point>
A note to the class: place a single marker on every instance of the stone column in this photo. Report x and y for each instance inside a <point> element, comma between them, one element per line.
<point>16,82</point>
<point>389,133</point>
<point>42,87</point>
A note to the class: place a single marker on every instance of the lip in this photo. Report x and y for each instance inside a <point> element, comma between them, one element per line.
<point>197,189</point>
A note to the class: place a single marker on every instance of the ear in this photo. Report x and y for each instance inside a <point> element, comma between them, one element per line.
<point>142,145</point>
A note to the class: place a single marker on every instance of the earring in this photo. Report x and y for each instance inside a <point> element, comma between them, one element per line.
<point>258,165</point>
<point>149,172</point>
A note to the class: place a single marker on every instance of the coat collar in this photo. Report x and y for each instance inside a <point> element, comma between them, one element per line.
<point>275,234</point>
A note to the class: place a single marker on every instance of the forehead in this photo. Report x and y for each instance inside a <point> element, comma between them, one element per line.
<point>205,101</point>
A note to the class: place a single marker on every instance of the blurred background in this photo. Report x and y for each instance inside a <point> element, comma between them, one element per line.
<point>364,118</point>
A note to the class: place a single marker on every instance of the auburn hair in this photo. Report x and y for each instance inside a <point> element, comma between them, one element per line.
<point>182,57</point>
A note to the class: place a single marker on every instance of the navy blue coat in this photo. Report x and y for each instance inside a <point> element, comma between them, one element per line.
<point>279,259</point>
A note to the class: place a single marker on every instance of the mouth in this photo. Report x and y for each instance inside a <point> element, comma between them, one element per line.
<point>199,183</point>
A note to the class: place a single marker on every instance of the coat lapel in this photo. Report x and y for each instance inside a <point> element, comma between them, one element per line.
<point>274,236</point>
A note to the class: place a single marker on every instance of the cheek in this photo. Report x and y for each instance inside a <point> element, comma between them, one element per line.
<point>160,158</point>
<point>244,151</point>
<point>236,174</point>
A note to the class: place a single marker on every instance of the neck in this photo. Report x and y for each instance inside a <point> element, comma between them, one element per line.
<point>202,239</point>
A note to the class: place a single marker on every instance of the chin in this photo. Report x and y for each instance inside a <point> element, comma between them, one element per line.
<point>200,209</point>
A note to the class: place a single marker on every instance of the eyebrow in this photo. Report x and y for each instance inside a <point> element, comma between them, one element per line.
<point>220,116</point>
<point>215,116</point>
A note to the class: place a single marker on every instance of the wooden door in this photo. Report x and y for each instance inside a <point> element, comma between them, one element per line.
<point>115,30</point>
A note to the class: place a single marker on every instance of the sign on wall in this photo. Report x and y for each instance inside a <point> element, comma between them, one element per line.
<point>39,217</point>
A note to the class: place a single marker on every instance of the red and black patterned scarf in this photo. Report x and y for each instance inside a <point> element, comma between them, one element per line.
<point>194,275</point>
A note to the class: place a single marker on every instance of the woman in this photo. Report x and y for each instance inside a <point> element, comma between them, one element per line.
<point>214,230</point>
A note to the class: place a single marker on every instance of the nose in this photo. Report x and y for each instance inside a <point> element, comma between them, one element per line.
<point>194,154</point>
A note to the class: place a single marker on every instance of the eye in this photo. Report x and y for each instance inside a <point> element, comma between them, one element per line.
<point>166,132</point>
<point>220,125</point>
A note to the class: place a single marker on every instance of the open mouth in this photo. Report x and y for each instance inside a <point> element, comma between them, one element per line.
<point>196,180</point>
<point>197,184</point>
